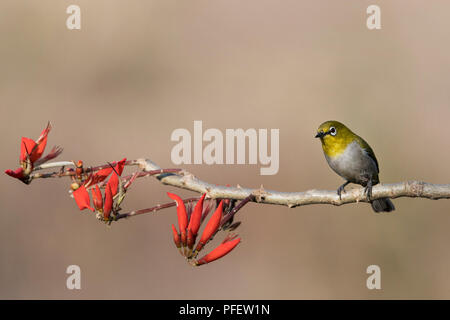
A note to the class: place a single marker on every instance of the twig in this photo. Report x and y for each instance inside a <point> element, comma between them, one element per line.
<point>57,164</point>
<point>152,209</point>
<point>242,203</point>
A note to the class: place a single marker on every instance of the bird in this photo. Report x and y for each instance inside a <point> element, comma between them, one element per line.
<point>351,157</point>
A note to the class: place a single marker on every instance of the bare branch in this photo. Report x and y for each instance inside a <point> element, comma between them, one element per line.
<point>412,189</point>
<point>185,180</point>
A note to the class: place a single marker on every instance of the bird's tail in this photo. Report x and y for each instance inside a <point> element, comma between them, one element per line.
<point>382,205</point>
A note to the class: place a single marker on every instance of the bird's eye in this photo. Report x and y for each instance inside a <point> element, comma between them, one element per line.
<point>333,131</point>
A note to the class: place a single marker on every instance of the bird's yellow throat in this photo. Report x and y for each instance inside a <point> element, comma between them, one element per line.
<point>333,146</point>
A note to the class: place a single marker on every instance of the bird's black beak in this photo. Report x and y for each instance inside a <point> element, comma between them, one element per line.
<point>319,134</point>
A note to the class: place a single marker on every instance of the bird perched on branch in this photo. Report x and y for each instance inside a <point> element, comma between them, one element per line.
<point>353,159</point>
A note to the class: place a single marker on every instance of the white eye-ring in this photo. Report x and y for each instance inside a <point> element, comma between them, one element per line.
<point>333,131</point>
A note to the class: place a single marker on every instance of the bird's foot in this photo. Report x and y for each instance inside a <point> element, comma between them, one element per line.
<point>342,188</point>
<point>339,191</point>
<point>368,190</point>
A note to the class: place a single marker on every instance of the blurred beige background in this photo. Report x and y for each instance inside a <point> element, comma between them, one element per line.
<point>137,70</point>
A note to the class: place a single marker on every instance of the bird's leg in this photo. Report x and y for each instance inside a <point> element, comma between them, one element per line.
<point>342,188</point>
<point>368,189</point>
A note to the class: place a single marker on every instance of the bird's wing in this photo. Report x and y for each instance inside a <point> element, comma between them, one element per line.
<point>369,151</point>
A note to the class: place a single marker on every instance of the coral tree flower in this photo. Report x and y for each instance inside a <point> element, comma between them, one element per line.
<point>211,227</point>
<point>31,155</point>
<point>223,249</point>
<point>82,198</point>
<point>102,174</point>
<point>189,222</point>
<point>102,205</point>
<point>182,216</point>
<point>97,198</point>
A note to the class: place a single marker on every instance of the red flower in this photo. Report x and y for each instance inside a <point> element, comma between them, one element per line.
<point>82,198</point>
<point>95,178</point>
<point>114,183</point>
<point>182,216</point>
<point>102,206</point>
<point>102,174</point>
<point>18,173</point>
<point>211,227</point>
<point>176,237</point>
<point>106,205</point>
<point>97,198</point>
<point>31,155</point>
<point>223,249</point>
<point>34,150</point>
<point>196,217</point>
<point>189,222</point>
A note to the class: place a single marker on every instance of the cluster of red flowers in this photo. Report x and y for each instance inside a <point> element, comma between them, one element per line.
<point>106,207</point>
<point>189,221</point>
<point>31,156</point>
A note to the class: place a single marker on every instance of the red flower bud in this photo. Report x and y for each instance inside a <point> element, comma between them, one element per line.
<point>219,252</point>
<point>108,202</point>
<point>190,239</point>
<point>196,217</point>
<point>211,227</point>
<point>97,198</point>
<point>79,169</point>
<point>182,216</point>
<point>176,237</point>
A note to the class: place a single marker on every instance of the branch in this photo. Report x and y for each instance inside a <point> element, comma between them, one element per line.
<point>69,173</point>
<point>152,209</point>
<point>412,189</point>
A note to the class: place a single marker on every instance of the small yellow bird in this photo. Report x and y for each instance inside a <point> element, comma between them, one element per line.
<point>353,159</point>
